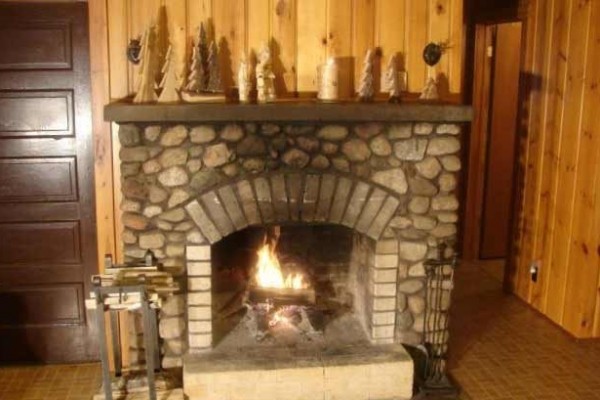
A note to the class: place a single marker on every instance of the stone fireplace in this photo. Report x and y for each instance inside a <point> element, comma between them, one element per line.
<point>392,186</point>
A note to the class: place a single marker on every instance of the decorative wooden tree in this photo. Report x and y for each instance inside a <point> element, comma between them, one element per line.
<point>214,70</point>
<point>391,80</point>
<point>203,45</point>
<point>145,91</point>
<point>366,89</point>
<point>170,81</point>
<point>197,77</point>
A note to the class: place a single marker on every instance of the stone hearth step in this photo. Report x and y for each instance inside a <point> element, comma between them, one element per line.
<point>349,373</point>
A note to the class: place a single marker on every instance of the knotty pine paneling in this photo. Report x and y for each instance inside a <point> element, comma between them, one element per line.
<point>559,220</point>
<point>302,34</point>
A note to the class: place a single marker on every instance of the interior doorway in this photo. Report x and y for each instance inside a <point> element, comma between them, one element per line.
<point>493,145</point>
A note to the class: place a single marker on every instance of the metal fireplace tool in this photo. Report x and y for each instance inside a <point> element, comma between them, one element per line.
<point>438,288</point>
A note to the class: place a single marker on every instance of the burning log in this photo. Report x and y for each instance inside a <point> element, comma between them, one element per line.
<point>281,296</point>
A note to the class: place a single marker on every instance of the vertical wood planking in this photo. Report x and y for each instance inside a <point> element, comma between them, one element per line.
<point>439,32</point>
<point>363,33</point>
<point>258,20</point>
<point>561,203</point>
<point>552,123</point>
<point>456,51</point>
<point>99,65</point>
<point>177,27</point>
<point>417,33</point>
<point>417,15</point>
<point>567,158</point>
<point>389,34</point>
<point>136,13</point>
<point>312,42</point>
<point>283,45</point>
<point>339,42</point>
<point>117,38</point>
<point>230,34</point>
<point>582,276</point>
<point>198,11</point>
<point>533,30</point>
<point>538,54</point>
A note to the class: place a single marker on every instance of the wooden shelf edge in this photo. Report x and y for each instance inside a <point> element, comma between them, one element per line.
<point>289,111</point>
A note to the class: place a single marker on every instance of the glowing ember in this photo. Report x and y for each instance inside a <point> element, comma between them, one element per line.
<point>278,318</point>
<point>269,274</point>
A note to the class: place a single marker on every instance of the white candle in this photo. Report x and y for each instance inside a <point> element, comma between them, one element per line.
<point>328,80</point>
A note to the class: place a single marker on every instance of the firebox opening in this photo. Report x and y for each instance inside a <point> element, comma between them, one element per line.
<point>297,285</point>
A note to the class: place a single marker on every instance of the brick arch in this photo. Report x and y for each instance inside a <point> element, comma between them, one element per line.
<point>292,197</point>
<point>305,198</point>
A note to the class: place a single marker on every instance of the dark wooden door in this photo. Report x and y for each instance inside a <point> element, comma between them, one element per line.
<point>501,143</point>
<point>47,219</point>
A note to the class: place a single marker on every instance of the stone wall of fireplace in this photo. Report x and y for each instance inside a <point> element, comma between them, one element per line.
<point>185,187</point>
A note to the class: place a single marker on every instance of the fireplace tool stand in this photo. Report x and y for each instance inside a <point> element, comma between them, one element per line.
<point>439,285</point>
<point>150,334</point>
<point>132,286</point>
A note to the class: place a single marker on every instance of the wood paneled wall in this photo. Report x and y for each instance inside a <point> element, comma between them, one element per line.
<point>559,221</point>
<point>302,34</point>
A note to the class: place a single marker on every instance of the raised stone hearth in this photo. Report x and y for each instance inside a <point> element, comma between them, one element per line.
<point>186,186</point>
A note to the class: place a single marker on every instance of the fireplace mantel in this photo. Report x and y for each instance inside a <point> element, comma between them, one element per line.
<point>287,111</point>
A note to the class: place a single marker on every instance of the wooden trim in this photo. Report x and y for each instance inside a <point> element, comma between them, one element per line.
<point>478,143</point>
<point>287,111</point>
<point>101,129</point>
<point>106,227</point>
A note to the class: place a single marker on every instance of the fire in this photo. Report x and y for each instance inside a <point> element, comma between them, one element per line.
<point>269,274</point>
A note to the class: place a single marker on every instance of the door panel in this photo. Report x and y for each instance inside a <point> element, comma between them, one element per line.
<point>501,148</point>
<point>48,179</point>
<point>42,44</point>
<point>47,235</point>
<point>31,113</point>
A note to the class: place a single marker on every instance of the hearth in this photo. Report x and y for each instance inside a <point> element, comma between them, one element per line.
<point>303,245</point>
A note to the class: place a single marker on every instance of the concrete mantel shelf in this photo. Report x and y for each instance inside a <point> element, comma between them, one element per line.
<point>287,111</point>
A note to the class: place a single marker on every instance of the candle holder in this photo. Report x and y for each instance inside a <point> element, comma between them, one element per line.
<point>328,81</point>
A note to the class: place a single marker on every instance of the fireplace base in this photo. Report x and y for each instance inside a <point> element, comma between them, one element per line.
<point>349,373</point>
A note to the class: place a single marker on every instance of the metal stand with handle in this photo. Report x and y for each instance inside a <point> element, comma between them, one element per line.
<point>150,334</point>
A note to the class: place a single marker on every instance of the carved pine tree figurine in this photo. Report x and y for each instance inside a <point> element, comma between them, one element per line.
<point>366,89</point>
<point>145,91</point>
<point>198,77</point>
<point>214,71</point>
<point>170,81</point>
<point>196,80</point>
<point>392,81</point>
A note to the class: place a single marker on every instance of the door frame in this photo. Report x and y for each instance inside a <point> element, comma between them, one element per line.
<point>483,67</point>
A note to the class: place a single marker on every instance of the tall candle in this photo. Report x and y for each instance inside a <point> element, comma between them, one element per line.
<point>328,81</point>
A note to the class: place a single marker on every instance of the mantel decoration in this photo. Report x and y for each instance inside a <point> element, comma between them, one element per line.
<point>366,89</point>
<point>265,78</point>
<point>203,81</point>
<point>432,55</point>
<point>327,78</point>
<point>170,79</point>
<point>204,77</point>
<point>392,81</point>
<point>244,85</point>
<point>147,56</point>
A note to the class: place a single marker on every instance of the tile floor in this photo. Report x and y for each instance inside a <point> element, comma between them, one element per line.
<point>60,382</point>
<point>501,350</point>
